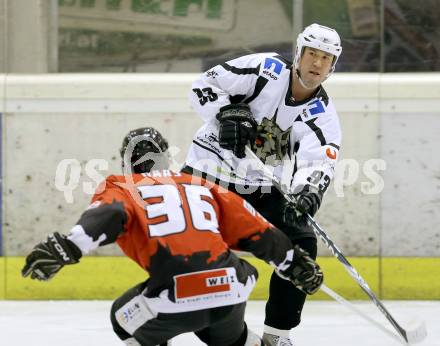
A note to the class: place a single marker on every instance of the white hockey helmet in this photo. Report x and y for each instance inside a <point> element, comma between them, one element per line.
<point>318,37</point>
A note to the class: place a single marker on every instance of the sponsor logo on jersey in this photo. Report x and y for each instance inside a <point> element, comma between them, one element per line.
<point>272,67</point>
<point>129,313</point>
<point>212,74</point>
<point>219,280</point>
<point>331,153</point>
<point>212,137</point>
<point>204,283</point>
<point>268,73</point>
<point>276,64</point>
<point>316,107</point>
<point>208,140</point>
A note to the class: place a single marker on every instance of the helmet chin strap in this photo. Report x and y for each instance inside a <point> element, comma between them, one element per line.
<point>302,83</point>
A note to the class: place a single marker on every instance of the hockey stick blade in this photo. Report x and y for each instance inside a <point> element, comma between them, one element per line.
<point>417,334</point>
<point>414,336</point>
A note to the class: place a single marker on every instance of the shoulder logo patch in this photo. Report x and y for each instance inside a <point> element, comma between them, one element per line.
<point>277,65</point>
<point>316,107</point>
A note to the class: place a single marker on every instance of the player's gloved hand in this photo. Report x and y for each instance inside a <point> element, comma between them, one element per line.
<point>237,128</point>
<point>48,257</point>
<point>307,201</point>
<point>304,272</point>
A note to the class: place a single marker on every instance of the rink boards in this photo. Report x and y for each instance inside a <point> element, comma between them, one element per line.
<point>392,119</point>
<point>107,277</point>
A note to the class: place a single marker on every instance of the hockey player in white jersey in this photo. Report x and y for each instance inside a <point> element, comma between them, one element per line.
<point>281,111</point>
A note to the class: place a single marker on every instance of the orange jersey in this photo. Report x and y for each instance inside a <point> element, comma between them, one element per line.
<point>173,213</point>
<point>172,224</point>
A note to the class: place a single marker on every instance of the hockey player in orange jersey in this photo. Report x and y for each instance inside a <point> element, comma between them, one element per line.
<point>181,230</point>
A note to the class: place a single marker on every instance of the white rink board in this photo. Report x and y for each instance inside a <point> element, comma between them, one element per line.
<point>86,323</point>
<point>390,117</point>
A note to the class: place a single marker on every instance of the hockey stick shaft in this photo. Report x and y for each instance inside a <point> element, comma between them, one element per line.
<point>336,252</point>
<point>409,336</point>
<point>356,276</point>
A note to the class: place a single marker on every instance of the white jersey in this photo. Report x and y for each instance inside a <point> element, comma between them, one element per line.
<point>300,141</point>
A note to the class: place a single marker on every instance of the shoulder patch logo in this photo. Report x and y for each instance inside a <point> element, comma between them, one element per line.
<point>269,62</point>
<point>212,74</point>
<point>316,107</point>
<point>331,154</point>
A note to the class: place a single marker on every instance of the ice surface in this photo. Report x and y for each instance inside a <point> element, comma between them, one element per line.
<point>86,323</point>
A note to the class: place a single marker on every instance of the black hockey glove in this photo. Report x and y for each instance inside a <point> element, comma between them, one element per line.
<point>237,128</point>
<point>308,201</point>
<point>48,257</point>
<point>304,272</point>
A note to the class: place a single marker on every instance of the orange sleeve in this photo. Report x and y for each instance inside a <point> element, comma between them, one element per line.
<point>243,228</point>
<point>115,190</point>
<point>109,213</point>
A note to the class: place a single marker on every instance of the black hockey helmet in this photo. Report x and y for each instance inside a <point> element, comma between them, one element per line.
<point>144,149</point>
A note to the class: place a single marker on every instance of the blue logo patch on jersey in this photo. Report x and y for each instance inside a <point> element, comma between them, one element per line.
<point>269,62</point>
<point>317,107</point>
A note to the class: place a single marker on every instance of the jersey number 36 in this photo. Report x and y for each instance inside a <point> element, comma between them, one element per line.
<point>171,211</point>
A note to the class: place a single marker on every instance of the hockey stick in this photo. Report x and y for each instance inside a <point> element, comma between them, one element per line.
<point>355,309</point>
<point>410,336</point>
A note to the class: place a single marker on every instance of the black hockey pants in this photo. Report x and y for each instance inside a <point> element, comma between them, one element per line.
<point>222,326</point>
<point>285,303</point>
